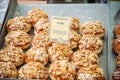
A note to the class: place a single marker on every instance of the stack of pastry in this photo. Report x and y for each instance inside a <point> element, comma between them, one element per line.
<point>59,54</point>
<point>90,45</point>
<point>17,40</point>
<point>36,57</point>
<point>116,48</point>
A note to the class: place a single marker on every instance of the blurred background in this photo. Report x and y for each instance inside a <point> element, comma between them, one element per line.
<point>70,1</point>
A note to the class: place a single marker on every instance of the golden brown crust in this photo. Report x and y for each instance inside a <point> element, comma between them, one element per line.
<point>116,46</point>
<point>8,70</point>
<point>12,54</point>
<point>74,39</point>
<point>59,52</point>
<point>41,40</point>
<point>75,26</point>
<point>117,31</point>
<point>41,26</point>
<point>95,73</point>
<point>93,28</point>
<point>62,70</point>
<point>19,23</point>
<point>33,70</point>
<point>36,14</point>
<point>84,59</point>
<point>18,39</point>
<point>37,55</point>
<point>92,43</point>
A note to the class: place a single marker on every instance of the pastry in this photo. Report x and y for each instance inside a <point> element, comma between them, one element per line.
<point>74,39</point>
<point>33,70</point>
<point>116,45</point>
<point>8,70</point>
<point>91,43</point>
<point>62,70</point>
<point>93,28</point>
<point>75,24</point>
<point>35,54</point>
<point>117,31</point>
<point>118,60</point>
<point>36,14</point>
<point>18,39</point>
<point>19,23</point>
<point>84,59</point>
<point>116,74</point>
<point>12,54</point>
<point>41,25</point>
<point>95,73</point>
<point>59,52</point>
<point>41,40</point>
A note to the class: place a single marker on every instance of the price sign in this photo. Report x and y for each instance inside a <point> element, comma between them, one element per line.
<point>60,29</point>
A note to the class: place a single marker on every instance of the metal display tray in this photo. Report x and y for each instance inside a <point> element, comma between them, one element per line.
<point>85,12</point>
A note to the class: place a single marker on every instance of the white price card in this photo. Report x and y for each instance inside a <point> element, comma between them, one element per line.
<point>60,29</point>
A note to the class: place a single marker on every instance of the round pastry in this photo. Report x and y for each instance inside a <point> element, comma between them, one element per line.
<point>33,70</point>
<point>19,23</point>
<point>91,43</point>
<point>117,31</point>
<point>41,25</point>
<point>12,54</point>
<point>35,54</point>
<point>74,39</point>
<point>36,14</point>
<point>18,39</point>
<point>7,70</point>
<point>41,40</point>
<point>93,28</point>
<point>86,73</point>
<point>116,74</point>
<point>75,26</point>
<point>84,59</point>
<point>116,45</point>
<point>62,70</point>
<point>59,52</point>
<point>118,60</point>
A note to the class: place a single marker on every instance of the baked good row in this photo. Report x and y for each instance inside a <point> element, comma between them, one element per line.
<point>116,48</point>
<point>59,70</point>
<point>77,60</point>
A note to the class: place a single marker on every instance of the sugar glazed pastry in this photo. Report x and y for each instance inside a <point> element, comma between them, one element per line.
<point>75,24</point>
<point>93,28</point>
<point>19,23</point>
<point>42,25</point>
<point>95,73</point>
<point>84,59</point>
<point>36,14</point>
<point>12,54</point>
<point>59,52</point>
<point>116,74</point>
<point>62,70</point>
<point>117,31</point>
<point>116,46</point>
<point>91,43</point>
<point>41,40</point>
<point>18,39</point>
<point>74,39</point>
<point>33,70</point>
<point>35,54</point>
<point>8,70</point>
